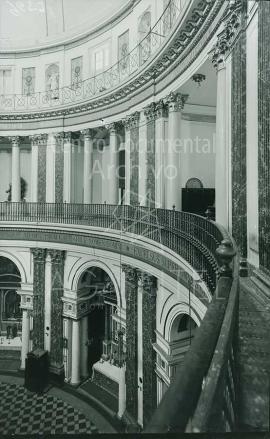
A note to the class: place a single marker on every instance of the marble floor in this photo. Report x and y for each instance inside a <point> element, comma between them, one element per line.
<point>55,412</point>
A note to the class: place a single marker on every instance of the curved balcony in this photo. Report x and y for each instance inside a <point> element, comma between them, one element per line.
<point>204,394</point>
<point>192,237</point>
<point>168,39</point>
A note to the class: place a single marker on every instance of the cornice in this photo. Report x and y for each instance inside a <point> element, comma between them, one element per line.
<point>178,48</point>
<point>232,23</point>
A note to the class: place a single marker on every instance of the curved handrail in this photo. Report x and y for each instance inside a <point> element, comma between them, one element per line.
<point>110,78</point>
<point>193,237</point>
<point>195,399</point>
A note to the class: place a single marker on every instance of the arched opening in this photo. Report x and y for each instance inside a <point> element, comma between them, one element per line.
<point>181,335</point>
<point>10,311</point>
<point>102,316</point>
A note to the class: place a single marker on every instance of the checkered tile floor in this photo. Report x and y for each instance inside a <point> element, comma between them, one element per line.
<point>23,412</point>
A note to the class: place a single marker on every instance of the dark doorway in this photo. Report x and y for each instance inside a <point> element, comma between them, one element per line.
<point>96,334</point>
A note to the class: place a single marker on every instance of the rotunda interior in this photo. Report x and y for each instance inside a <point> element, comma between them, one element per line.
<point>134,216</point>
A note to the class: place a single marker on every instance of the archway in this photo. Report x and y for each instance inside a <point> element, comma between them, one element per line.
<point>102,317</point>
<point>10,311</point>
<point>181,335</point>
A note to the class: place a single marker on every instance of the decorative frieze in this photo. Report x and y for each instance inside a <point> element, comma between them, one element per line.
<point>131,290</point>
<point>39,256</point>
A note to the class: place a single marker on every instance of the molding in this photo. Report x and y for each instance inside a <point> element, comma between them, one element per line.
<point>180,46</point>
<point>116,245</point>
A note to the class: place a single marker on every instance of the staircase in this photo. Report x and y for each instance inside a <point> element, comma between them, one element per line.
<point>10,360</point>
<point>254,354</point>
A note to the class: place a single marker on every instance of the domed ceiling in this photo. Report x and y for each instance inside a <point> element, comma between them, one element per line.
<point>33,23</point>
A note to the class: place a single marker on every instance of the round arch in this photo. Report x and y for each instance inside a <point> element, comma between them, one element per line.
<point>175,311</point>
<point>16,261</point>
<point>91,264</point>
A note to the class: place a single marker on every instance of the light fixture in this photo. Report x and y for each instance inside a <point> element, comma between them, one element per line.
<point>198,78</point>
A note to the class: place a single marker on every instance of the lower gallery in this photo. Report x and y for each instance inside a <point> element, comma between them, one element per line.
<point>134,217</point>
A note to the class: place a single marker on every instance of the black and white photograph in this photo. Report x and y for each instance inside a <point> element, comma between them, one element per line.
<point>135,218</point>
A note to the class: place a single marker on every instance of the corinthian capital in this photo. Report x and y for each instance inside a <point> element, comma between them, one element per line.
<point>113,127</point>
<point>176,101</point>
<point>132,121</point>
<point>15,140</point>
<point>39,254</point>
<point>87,133</point>
<point>38,139</point>
<point>150,112</point>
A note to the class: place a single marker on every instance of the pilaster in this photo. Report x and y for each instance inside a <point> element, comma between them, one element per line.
<point>149,287</point>
<point>57,291</point>
<point>150,115</point>
<point>132,124</point>
<point>39,256</point>
<point>131,290</point>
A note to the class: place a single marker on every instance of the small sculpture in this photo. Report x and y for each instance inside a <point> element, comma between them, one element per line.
<point>23,190</point>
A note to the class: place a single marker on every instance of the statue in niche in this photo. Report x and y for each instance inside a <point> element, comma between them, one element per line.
<point>52,81</point>
<point>145,37</point>
<point>23,190</point>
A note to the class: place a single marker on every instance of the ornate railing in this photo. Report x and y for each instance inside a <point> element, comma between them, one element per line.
<point>116,75</point>
<point>203,396</point>
<point>192,237</point>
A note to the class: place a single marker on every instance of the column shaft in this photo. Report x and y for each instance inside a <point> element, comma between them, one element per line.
<point>25,337</point>
<point>176,102</point>
<point>127,166</point>
<point>75,362</point>
<point>114,164</point>
<point>50,169</point>
<point>131,290</point>
<point>15,171</point>
<point>67,168</point>
<point>221,179</point>
<point>34,172</point>
<point>38,297</point>
<point>84,347</point>
<point>88,165</point>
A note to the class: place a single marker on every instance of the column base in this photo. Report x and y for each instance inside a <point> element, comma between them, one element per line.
<point>57,374</point>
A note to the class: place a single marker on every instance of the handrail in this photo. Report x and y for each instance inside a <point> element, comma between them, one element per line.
<point>196,398</point>
<point>193,237</point>
<point>110,78</point>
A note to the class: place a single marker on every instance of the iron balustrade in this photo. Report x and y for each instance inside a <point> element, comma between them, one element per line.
<point>203,395</point>
<point>116,75</point>
<point>192,237</point>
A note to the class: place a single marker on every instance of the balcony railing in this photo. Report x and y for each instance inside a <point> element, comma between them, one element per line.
<point>193,237</point>
<point>116,75</point>
<point>203,396</point>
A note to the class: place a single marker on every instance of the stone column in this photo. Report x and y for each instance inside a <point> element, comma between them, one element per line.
<point>57,292</point>
<point>67,167</point>
<point>75,361</point>
<point>114,165</point>
<point>127,161</point>
<point>161,121</point>
<point>34,168</point>
<point>84,347</point>
<point>150,115</point>
<point>132,124</point>
<point>15,170</point>
<point>148,284</point>
<point>88,165</point>
<point>50,169</point>
<point>176,102</point>
<point>25,336</point>
<point>48,303</point>
<point>131,290</point>
<point>39,255</point>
